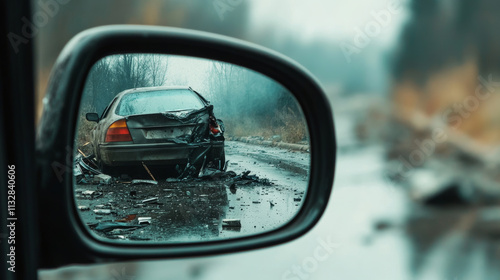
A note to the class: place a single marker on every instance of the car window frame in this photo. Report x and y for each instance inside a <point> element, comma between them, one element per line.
<point>106,111</point>
<point>195,95</point>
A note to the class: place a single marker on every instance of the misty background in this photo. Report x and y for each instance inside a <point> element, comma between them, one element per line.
<point>249,103</point>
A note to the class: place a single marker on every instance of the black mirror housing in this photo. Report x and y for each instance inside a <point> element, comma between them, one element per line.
<point>58,213</point>
<point>92,117</point>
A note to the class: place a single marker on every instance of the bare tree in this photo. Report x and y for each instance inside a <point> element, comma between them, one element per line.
<point>117,73</point>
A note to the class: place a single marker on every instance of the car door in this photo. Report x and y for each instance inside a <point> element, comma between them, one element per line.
<point>18,235</point>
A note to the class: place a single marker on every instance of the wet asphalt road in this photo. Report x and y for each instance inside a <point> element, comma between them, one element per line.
<point>194,209</point>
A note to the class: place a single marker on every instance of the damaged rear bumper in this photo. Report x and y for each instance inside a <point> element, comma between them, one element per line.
<point>154,153</point>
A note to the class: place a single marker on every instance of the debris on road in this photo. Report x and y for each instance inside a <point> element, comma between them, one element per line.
<point>102,206</point>
<point>138,181</point>
<point>109,226</point>
<point>211,173</point>
<point>144,220</point>
<point>88,193</point>
<point>83,208</point>
<point>129,218</point>
<point>86,165</point>
<point>150,200</point>
<point>91,194</point>
<point>196,205</point>
<point>103,211</point>
<point>231,223</point>
<point>102,179</point>
<point>149,172</point>
<point>232,188</point>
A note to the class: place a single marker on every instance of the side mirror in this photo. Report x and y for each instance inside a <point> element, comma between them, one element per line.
<point>155,125</point>
<point>92,117</point>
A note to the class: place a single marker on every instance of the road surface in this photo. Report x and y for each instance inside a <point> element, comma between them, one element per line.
<point>263,189</point>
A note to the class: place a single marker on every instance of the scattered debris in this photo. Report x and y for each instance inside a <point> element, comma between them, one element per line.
<point>102,206</point>
<point>109,226</point>
<point>129,218</point>
<point>297,199</point>
<point>194,159</point>
<point>231,223</point>
<point>86,165</point>
<point>246,179</point>
<point>102,179</point>
<point>149,172</point>
<point>83,208</point>
<point>103,211</point>
<point>91,194</point>
<point>144,220</point>
<point>232,188</point>
<point>138,181</point>
<point>211,173</point>
<point>88,193</point>
<point>150,200</point>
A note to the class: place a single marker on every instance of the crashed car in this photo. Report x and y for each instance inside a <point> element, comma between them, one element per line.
<point>158,126</point>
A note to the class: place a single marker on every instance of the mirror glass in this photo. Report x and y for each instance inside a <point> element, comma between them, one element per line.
<point>177,149</point>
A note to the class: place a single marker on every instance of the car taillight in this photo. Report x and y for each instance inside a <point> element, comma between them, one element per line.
<point>118,132</point>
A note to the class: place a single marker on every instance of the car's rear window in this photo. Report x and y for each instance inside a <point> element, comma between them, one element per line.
<point>159,101</point>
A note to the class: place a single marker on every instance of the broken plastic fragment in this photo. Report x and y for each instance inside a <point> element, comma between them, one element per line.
<point>103,211</point>
<point>109,226</point>
<point>129,218</point>
<point>144,182</point>
<point>231,223</point>
<point>144,220</point>
<point>150,200</point>
<point>83,208</point>
<point>102,179</point>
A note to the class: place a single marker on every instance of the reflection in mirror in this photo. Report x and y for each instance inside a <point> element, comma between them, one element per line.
<point>178,149</point>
